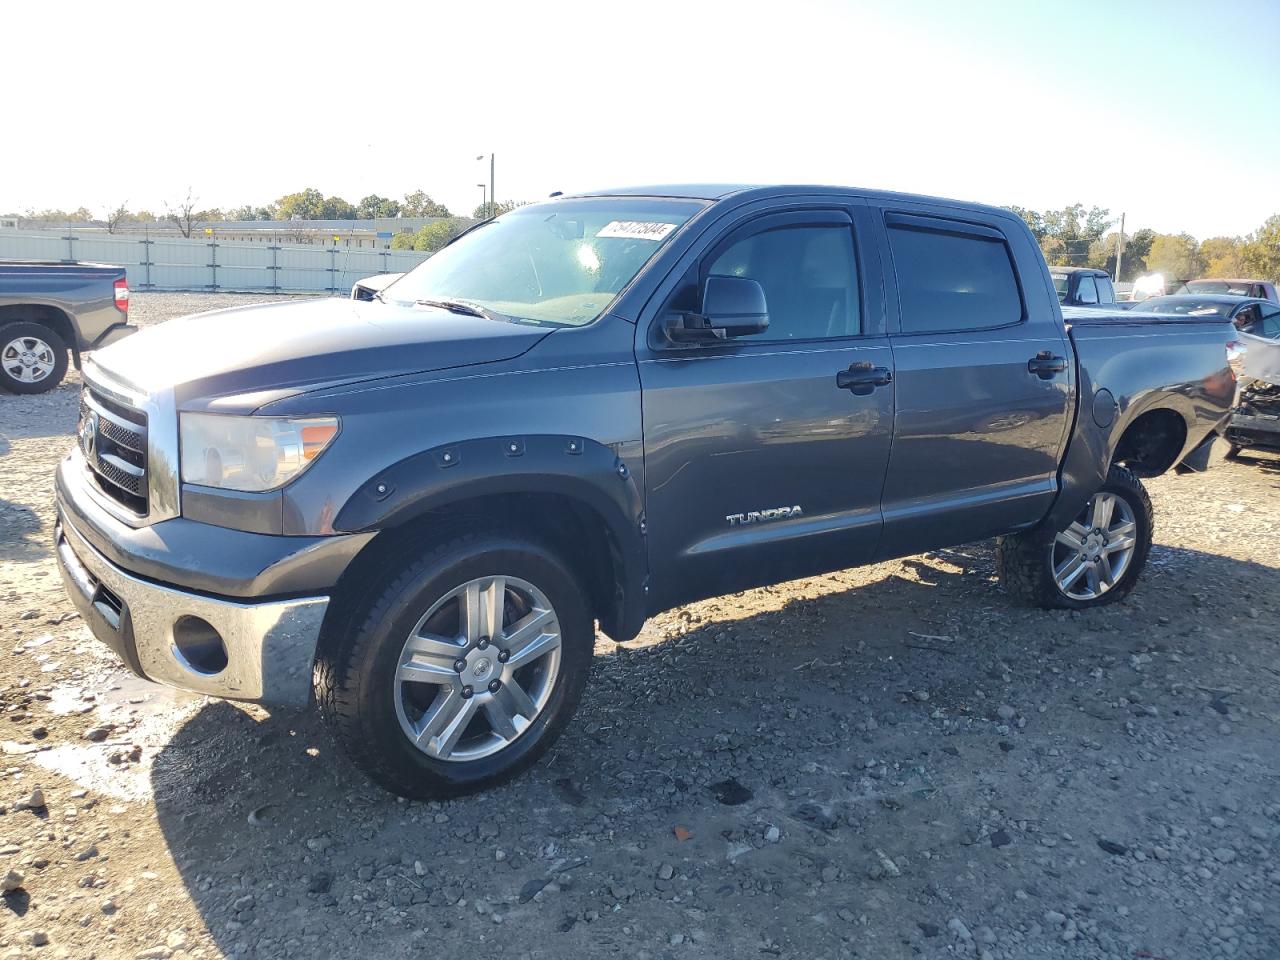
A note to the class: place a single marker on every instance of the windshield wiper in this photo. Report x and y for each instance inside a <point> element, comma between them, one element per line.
<point>461,306</point>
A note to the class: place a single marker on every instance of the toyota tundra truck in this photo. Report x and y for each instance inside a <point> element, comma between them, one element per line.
<point>413,510</point>
<point>52,313</point>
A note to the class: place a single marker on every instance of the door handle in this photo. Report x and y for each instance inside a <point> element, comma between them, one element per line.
<point>863,377</point>
<point>1045,365</point>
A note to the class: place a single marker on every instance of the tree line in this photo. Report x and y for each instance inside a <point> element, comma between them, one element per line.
<point>1076,237</point>
<point>189,216</point>
<point>1073,236</point>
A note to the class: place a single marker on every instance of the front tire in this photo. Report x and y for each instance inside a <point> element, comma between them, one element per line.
<point>463,671</point>
<point>33,359</point>
<point>1096,560</point>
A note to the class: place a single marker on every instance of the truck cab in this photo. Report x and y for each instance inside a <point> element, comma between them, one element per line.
<point>1083,287</point>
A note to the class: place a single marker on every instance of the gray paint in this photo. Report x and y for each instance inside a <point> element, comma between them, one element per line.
<point>83,292</point>
<point>963,442</point>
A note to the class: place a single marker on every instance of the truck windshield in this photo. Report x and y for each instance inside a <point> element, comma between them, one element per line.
<point>560,262</point>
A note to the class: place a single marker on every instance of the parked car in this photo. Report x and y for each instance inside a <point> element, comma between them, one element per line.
<point>1255,421</point>
<point>1241,311</point>
<point>415,509</point>
<point>370,287</point>
<point>50,309</point>
<point>1258,289</point>
<point>1083,287</point>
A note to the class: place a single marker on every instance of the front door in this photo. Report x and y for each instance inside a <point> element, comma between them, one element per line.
<point>765,455</point>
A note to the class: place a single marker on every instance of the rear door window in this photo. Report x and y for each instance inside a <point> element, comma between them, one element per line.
<point>952,276</point>
<point>1087,291</point>
<point>1106,292</point>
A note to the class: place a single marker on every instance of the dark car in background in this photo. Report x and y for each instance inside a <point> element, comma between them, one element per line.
<point>51,313</point>
<point>1241,311</point>
<point>1258,289</point>
<point>1083,287</point>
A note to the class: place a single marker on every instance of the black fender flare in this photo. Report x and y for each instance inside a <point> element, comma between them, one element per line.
<point>573,467</point>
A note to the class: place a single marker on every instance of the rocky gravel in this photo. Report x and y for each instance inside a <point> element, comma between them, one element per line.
<point>887,762</point>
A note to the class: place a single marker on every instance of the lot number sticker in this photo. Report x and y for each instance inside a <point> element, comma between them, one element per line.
<point>637,229</point>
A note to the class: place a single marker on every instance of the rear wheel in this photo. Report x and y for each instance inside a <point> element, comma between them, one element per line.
<point>463,671</point>
<point>1096,559</point>
<point>33,359</point>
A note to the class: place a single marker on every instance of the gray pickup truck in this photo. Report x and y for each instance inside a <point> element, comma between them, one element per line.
<point>415,508</point>
<point>49,308</point>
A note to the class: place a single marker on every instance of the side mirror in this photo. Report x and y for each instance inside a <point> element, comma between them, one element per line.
<point>731,307</point>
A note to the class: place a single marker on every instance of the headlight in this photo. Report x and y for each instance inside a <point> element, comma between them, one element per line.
<point>250,453</point>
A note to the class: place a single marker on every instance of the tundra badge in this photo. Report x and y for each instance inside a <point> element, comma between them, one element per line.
<point>760,516</point>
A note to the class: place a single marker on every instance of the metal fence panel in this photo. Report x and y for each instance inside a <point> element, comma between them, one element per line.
<point>203,264</point>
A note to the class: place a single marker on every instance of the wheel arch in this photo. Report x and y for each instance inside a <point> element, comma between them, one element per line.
<point>572,493</point>
<point>47,315</point>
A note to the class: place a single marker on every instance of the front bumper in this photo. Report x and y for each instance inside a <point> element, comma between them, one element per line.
<point>1255,432</point>
<point>267,648</point>
<point>145,592</point>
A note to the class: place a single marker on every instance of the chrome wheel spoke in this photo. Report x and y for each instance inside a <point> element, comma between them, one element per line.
<point>1103,505</point>
<point>513,695</point>
<point>1069,571</point>
<point>501,719</point>
<point>1092,579</point>
<point>426,671</point>
<point>455,724</point>
<point>1070,539</point>
<point>433,646</point>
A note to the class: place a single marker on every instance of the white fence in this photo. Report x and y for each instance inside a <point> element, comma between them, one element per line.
<point>199,264</point>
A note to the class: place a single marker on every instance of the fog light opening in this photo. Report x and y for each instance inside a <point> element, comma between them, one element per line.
<point>199,647</point>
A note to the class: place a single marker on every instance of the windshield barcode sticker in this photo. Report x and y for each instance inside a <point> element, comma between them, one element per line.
<point>637,229</point>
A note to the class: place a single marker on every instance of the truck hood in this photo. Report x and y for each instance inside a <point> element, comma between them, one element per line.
<point>271,351</point>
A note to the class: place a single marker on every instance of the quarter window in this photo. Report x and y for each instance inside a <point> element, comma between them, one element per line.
<point>950,279</point>
<point>809,276</point>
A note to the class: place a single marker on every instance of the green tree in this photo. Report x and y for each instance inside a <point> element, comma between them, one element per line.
<point>1261,251</point>
<point>1066,236</point>
<point>490,209</point>
<point>402,241</point>
<point>1222,256</point>
<point>335,208</point>
<point>418,204</point>
<point>435,235</point>
<point>250,212</point>
<point>1176,256</point>
<point>375,206</point>
<point>306,204</point>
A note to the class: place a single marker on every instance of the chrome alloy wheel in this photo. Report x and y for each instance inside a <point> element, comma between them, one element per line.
<point>1093,554</point>
<point>27,359</point>
<point>478,668</point>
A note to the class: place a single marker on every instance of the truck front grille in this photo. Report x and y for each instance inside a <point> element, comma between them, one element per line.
<point>113,438</point>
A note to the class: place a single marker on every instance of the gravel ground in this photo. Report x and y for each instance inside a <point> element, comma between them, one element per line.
<point>886,762</point>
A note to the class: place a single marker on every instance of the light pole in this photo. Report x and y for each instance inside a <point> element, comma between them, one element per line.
<point>483,201</point>
<point>493,197</point>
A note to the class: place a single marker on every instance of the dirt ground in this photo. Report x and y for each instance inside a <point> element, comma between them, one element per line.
<point>887,762</point>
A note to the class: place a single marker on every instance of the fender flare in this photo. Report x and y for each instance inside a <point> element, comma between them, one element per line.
<point>573,467</point>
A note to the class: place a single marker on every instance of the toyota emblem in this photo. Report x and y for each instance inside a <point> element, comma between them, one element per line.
<point>89,433</point>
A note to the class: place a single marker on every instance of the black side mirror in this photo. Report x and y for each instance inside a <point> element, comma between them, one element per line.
<point>731,307</point>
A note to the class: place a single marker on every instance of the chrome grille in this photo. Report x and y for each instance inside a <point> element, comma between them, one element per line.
<point>113,439</point>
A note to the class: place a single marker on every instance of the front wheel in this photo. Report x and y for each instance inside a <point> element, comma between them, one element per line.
<point>1096,559</point>
<point>463,671</point>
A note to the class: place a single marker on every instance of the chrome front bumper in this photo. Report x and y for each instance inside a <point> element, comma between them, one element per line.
<point>269,647</point>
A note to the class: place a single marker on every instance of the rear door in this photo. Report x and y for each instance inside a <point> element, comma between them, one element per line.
<point>984,379</point>
<point>765,455</point>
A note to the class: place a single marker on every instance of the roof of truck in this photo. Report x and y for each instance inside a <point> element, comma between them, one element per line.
<point>721,191</point>
<point>1093,270</point>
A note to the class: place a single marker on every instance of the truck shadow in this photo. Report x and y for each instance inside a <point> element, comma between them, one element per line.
<point>22,537</point>
<point>286,850</point>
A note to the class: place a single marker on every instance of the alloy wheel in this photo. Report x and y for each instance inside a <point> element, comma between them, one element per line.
<point>478,668</point>
<point>1093,554</point>
<point>28,359</point>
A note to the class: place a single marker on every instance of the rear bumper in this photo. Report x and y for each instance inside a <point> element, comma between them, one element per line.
<point>267,649</point>
<point>112,335</point>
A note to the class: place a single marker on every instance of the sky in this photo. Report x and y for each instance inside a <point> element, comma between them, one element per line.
<point>1169,112</point>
